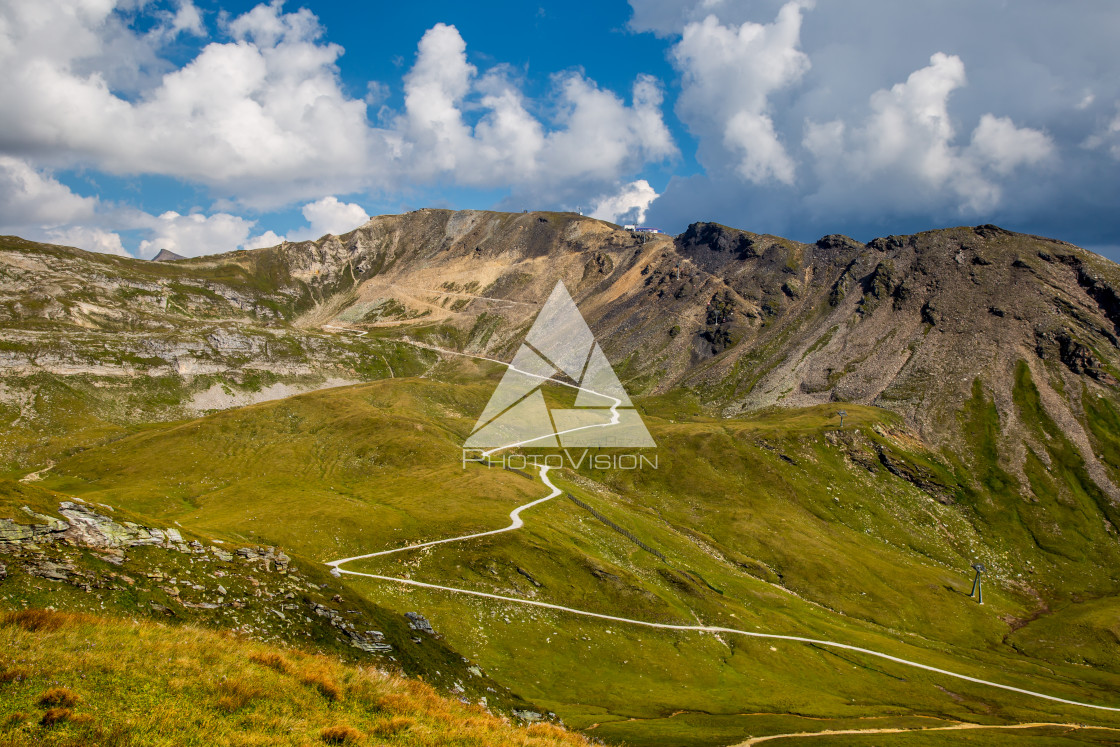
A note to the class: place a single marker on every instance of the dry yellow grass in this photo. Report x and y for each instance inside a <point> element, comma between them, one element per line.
<point>111,682</point>
<point>237,693</point>
<point>60,697</point>
<point>340,735</point>
<point>34,620</point>
<point>319,679</point>
<point>55,716</point>
<point>272,660</point>
<point>392,726</point>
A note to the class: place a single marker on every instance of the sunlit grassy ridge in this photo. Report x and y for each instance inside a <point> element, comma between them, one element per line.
<point>323,474</point>
<point>71,679</point>
<point>779,522</point>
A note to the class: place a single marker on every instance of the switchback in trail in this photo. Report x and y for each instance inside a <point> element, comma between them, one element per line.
<point>516,522</point>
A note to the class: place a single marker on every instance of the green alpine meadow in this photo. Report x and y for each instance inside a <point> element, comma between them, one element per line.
<point>880,508</point>
<point>629,373</point>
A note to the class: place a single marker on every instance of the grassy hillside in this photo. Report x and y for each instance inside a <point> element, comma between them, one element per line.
<point>778,522</point>
<point>324,474</point>
<point>978,367</point>
<point>70,679</point>
<point>260,592</point>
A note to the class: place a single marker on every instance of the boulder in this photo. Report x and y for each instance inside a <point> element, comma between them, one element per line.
<point>12,533</point>
<point>89,528</point>
<point>530,716</point>
<point>416,621</point>
<point>372,641</point>
<point>45,528</point>
<point>50,570</point>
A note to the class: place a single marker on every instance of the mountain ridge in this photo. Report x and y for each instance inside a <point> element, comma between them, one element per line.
<point>742,321</point>
<point>978,368</point>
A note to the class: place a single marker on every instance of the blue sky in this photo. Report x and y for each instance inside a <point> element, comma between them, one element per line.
<point>202,126</point>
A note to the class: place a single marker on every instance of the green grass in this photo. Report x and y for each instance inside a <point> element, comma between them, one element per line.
<point>1076,503</point>
<point>307,472</point>
<point>1103,421</point>
<point>1047,736</point>
<point>779,521</point>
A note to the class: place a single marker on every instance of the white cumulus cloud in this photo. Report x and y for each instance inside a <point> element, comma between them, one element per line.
<point>260,117</point>
<point>728,76</point>
<point>194,234</point>
<point>596,138</point>
<point>1107,137</point>
<point>263,120</point>
<point>602,137</point>
<point>905,154</point>
<point>32,198</point>
<point>326,216</point>
<point>268,238</point>
<point>997,142</point>
<point>879,140</point>
<point>628,205</point>
<point>89,238</point>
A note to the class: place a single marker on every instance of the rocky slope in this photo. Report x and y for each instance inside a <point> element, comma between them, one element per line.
<point>76,556</point>
<point>983,339</point>
<point>92,344</point>
<point>923,325</point>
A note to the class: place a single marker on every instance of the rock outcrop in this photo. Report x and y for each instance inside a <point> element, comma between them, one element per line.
<point>84,526</point>
<point>416,621</point>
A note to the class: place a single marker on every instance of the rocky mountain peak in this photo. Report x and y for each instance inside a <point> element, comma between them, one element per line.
<point>166,255</point>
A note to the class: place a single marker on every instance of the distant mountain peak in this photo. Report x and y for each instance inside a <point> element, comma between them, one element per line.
<point>166,255</point>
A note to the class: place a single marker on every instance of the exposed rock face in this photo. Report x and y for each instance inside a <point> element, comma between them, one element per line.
<point>416,621</point>
<point>371,641</point>
<point>747,320</point>
<point>89,528</point>
<point>50,571</point>
<point>47,529</point>
<point>84,526</point>
<point>120,329</point>
<point>166,255</point>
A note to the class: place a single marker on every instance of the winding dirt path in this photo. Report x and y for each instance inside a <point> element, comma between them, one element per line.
<point>37,474</point>
<point>516,522</point>
<point>954,727</point>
